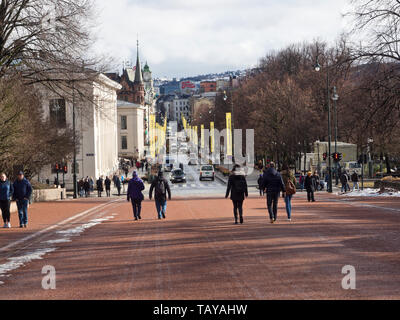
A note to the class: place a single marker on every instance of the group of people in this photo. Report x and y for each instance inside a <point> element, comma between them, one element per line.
<point>86,186</point>
<point>271,182</point>
<point>345,181</point>
<point>20,191</point>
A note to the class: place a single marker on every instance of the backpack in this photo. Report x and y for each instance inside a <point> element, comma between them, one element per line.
<point>239,185</point>
<point>290,187</point>
<point>160,188</point>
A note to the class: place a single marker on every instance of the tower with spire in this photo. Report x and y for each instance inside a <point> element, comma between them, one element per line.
<point>138,84</point>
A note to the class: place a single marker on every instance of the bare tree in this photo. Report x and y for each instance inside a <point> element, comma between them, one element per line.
<point>377,22</point>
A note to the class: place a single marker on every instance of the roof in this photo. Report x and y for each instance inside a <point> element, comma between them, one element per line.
<point>121,103</point>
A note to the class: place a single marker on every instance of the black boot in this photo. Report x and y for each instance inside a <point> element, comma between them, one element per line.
<point>241,219</point>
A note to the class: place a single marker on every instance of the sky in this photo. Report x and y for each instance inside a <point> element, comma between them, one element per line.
<point>180,38</point>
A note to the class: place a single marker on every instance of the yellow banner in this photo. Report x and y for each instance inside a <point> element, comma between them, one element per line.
<point>229,134</point>
<point>202,136</point>
<point>212,136</point>
<point>184,122</point>
<point>196,137</point>
<point>152,135</point>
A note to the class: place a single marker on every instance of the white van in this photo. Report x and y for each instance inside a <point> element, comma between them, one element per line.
<point>353,166</point>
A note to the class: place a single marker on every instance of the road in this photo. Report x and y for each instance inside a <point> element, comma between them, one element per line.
<point>99,252</point>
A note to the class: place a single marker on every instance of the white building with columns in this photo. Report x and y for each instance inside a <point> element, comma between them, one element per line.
<point>96,121</point>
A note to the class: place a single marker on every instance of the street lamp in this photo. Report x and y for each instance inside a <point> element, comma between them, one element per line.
<point>335,98</point>
<point>318,68</point>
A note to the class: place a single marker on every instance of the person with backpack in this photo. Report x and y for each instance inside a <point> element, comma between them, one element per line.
<point>160,187</point>
<point>6,192</point>
<point>107,183</point>
<point>273,185</point>
<point>344,180</point>
<point>135,195</point>
<point>237,187</point>
<point>354,179</point>
<point>289,180</point>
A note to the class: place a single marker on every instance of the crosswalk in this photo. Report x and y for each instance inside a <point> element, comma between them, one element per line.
<point>196,185</point>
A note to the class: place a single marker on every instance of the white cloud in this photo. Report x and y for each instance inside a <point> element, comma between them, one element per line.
<point>182,37</point>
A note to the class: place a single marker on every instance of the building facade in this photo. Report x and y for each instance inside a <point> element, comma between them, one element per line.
<point>96,128</point>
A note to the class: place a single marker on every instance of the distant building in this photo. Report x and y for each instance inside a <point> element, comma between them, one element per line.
<point>130,129</point>
<point>208,86</point>
<point>174,106</point>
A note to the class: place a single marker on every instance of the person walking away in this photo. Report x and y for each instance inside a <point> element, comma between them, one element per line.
<point>259,182</point>
<point>86,187</point>
<point>289,180</point>
<point>99,185</point>
<point>310,185</point>
<point>135,195</point>
<point>6,193</point>
<point>273,185</point>
<point>22,193</point>
<point>160,187</point>
<point>344,181</point>
<point>107,183</point>
<point>237,187</point>
<point>137,165</point>
<point>80,187</point>
<point>354,179</point>
<point>118,185</point>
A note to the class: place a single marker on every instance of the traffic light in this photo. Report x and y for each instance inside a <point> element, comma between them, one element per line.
<point>57,167</point>
<point>337,156</point>
<point>325,155</point>
<point>65,169</point>
<point>340,156</point>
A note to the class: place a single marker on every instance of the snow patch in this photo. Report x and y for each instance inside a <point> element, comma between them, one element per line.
<point>58,241</point>
<point>371,193</point>
<point>78,230</point>
<point>17,262</point>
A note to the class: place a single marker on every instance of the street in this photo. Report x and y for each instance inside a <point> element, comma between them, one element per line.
<point>99,252</point>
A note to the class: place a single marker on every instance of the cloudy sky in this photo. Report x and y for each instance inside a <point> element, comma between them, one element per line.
<point>188,37</point>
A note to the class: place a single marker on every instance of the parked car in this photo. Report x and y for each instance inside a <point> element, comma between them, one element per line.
<point>207,172</point>
<point>178,175</point>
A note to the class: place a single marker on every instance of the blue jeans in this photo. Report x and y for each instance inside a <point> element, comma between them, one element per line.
<point>288,203</point>
<point>22,206</point>
<point>161,207</point>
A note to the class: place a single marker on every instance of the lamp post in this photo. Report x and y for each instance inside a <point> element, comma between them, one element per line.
<point>74,138</point>
<point>317,69</point>
<point>335,98</point>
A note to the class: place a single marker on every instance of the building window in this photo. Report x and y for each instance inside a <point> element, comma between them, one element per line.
<point>124,142</point>
<point>57,112</point>
<point>124,124</point>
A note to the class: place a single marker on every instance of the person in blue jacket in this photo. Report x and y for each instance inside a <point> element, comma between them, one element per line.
<point>6,192</point>
<point>22,193</point>
<point>135,195</point>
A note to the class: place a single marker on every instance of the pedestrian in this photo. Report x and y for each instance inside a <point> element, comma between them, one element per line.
<point>107,183</point>
<point>91,183</point>
<point>99,185</point>
<point>6,193</point>
<point>81,187</point>
<point>118,185</point>
<point>237,187</point>
<point>317,181</point>
<point>142,164</point>
<point>301,181</point>
<point>344,180</point>
<point>137,165</point>
<point>354,179</point>
<point>259,182</point>
<point>289,180</point>
<point>86,187</point>
<point>310,186</point>
<point>22,193</point>
<point>135,195</point>
<point>147,166</point>
<point>56,182</point>
<point>272,185</point>
<point>161,187</point>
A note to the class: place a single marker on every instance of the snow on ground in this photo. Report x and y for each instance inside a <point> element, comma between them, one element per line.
<point>371,193</point>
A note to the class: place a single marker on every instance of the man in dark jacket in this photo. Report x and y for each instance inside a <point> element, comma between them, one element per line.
<point>135,195</point>
<point>237,187</point>
<point>161,187</point>
<point>354,179</point>
<point>100,187</point>
<point>310,185</point>
<point>22,194</point>
<point>107,183</point>
<point>6,192</point>
<point>273,185</point>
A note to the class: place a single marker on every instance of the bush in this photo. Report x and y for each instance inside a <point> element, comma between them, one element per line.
<point>41,186</point>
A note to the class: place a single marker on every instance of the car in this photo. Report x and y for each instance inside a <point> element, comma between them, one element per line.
<point>207,172</point>
<point>178,175</point>
<point>169,164</point>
